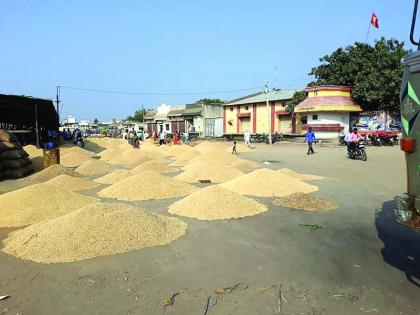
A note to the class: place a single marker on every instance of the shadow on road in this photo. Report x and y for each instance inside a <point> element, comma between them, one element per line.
<point>401,244</point>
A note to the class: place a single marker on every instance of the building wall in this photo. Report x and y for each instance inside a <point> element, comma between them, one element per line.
<point>212,111</point>
<point>257,118</point>
<point>329,93</point>
<point>231,119</point>
<point>262,126</point>
<point>341,118</point>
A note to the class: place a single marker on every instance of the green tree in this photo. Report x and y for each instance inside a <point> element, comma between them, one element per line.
<point>137,116</point>
<point>209,101</point>
<point>374,71</point>
<point>95,121</point>
<point>297,98</point>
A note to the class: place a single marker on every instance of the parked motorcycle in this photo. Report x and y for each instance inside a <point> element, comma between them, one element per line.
<point>386,140</point>
<point>357,151</point>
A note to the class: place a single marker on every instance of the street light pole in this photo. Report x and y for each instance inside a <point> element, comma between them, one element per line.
<point>58,103</point>
<point>268,113</point>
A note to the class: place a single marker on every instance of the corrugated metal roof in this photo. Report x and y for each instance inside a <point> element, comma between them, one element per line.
<point>150,115</point>
<point>176,112</point>
<point>261,97</point>
<point>192,111</point>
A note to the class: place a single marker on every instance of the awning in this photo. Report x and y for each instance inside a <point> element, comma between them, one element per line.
<point>21,111</point>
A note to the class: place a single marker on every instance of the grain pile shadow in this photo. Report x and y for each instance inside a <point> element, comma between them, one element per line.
<point>401,244</point>
<point>94,147</point>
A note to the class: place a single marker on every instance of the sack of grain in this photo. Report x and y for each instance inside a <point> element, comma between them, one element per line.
<point>4,146</point>
<point>14,173</point>
<point>10,164</point>
<point>13,154</point>
<point>5,136</point>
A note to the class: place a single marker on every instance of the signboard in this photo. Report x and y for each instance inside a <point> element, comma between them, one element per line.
<point>375,121</point>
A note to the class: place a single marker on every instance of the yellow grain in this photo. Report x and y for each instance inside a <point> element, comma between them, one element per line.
<point>268,183</point>
<point>38,202</point>
<point>96,230</point>
<point>215,203</point>
<point>72,183</point>
<point>145,186</point>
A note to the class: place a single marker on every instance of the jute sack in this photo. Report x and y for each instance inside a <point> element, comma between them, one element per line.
<point>13,154</point>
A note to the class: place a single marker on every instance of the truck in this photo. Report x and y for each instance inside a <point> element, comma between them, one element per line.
<point>408,203</point>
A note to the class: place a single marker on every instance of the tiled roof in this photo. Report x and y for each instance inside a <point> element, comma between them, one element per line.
<point>327,101</point>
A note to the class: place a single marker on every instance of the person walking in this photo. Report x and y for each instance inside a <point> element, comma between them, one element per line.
<point>162,137</point>
<point>310,138</point>
<point>247,139</point>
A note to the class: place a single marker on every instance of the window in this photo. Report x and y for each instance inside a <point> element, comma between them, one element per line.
<point>246,107</point>
<point>231,109</point>
<point>314,117</point>
<point>167,127</point>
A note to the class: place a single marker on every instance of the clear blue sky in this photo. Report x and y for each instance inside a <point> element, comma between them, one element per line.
<point>175,46</point>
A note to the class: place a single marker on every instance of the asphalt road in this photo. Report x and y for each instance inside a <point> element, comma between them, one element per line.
<point>359,262</point>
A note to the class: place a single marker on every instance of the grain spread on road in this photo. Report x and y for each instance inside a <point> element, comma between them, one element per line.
<point>38,202</point>
<point>268,183</point>
<point>215,203</point>
<point>304,202</point>
<point>147,185</point>
<point>96,230</point>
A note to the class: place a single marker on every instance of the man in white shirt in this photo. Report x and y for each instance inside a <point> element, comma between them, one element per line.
<point>247,139</point>
<point>162,137</point>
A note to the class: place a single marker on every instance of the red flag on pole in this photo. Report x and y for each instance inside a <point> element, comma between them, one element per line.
<point>374,21</point>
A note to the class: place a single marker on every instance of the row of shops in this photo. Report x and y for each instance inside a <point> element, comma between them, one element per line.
<point>329,110</point>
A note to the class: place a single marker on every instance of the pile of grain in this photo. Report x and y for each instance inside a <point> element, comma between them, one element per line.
<point>145,186</point>
<point>71,148</point>
<point>268,183</point>
<point>49,173</point>
<point>72,183</point>
<point>215,203</point>
<point>32,150</point>
<point>38,202</point>
<point>132,157</point>
<point>73,159</point>
<point>153,166</point>
<point>207,146</point>
<point>96,230</point>
<point>14,161</point>
<point>215,171</point>
<point>298,175</point>
<point>124,146</point>
<point>114,177</point>
<point>95,167</point>
<point>244,165</point>
<point>215,156</point>
<point>110,154</point>
<point>304,202</point>
<point>176,150</point>
<point>185,157</point>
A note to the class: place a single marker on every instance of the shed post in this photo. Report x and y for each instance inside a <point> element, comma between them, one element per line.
<point>36,126</point>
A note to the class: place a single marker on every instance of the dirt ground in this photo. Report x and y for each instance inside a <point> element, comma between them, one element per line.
<point>359,262</point>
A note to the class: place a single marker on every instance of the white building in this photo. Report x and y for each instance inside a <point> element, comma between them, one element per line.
<point>326,110</point>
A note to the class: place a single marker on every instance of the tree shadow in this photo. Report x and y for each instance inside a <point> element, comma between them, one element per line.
<point>401,244</point>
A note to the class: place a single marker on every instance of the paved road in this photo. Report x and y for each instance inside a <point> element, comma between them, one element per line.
<point>360,262</point>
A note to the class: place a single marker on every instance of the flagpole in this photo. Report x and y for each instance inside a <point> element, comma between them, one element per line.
<point>367,35</point>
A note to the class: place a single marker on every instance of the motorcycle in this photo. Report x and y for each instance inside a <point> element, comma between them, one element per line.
<point>386,140</point>
<point>374,140</point>
<point>358,151</point>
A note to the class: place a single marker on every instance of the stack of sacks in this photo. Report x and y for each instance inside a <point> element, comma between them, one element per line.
<point>14,161</point>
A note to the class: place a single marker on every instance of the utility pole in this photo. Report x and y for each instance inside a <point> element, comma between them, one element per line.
<point>58,103</point>
<point>268,113</point>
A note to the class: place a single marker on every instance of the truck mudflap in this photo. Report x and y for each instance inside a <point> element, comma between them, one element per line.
<point>406,212</point>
